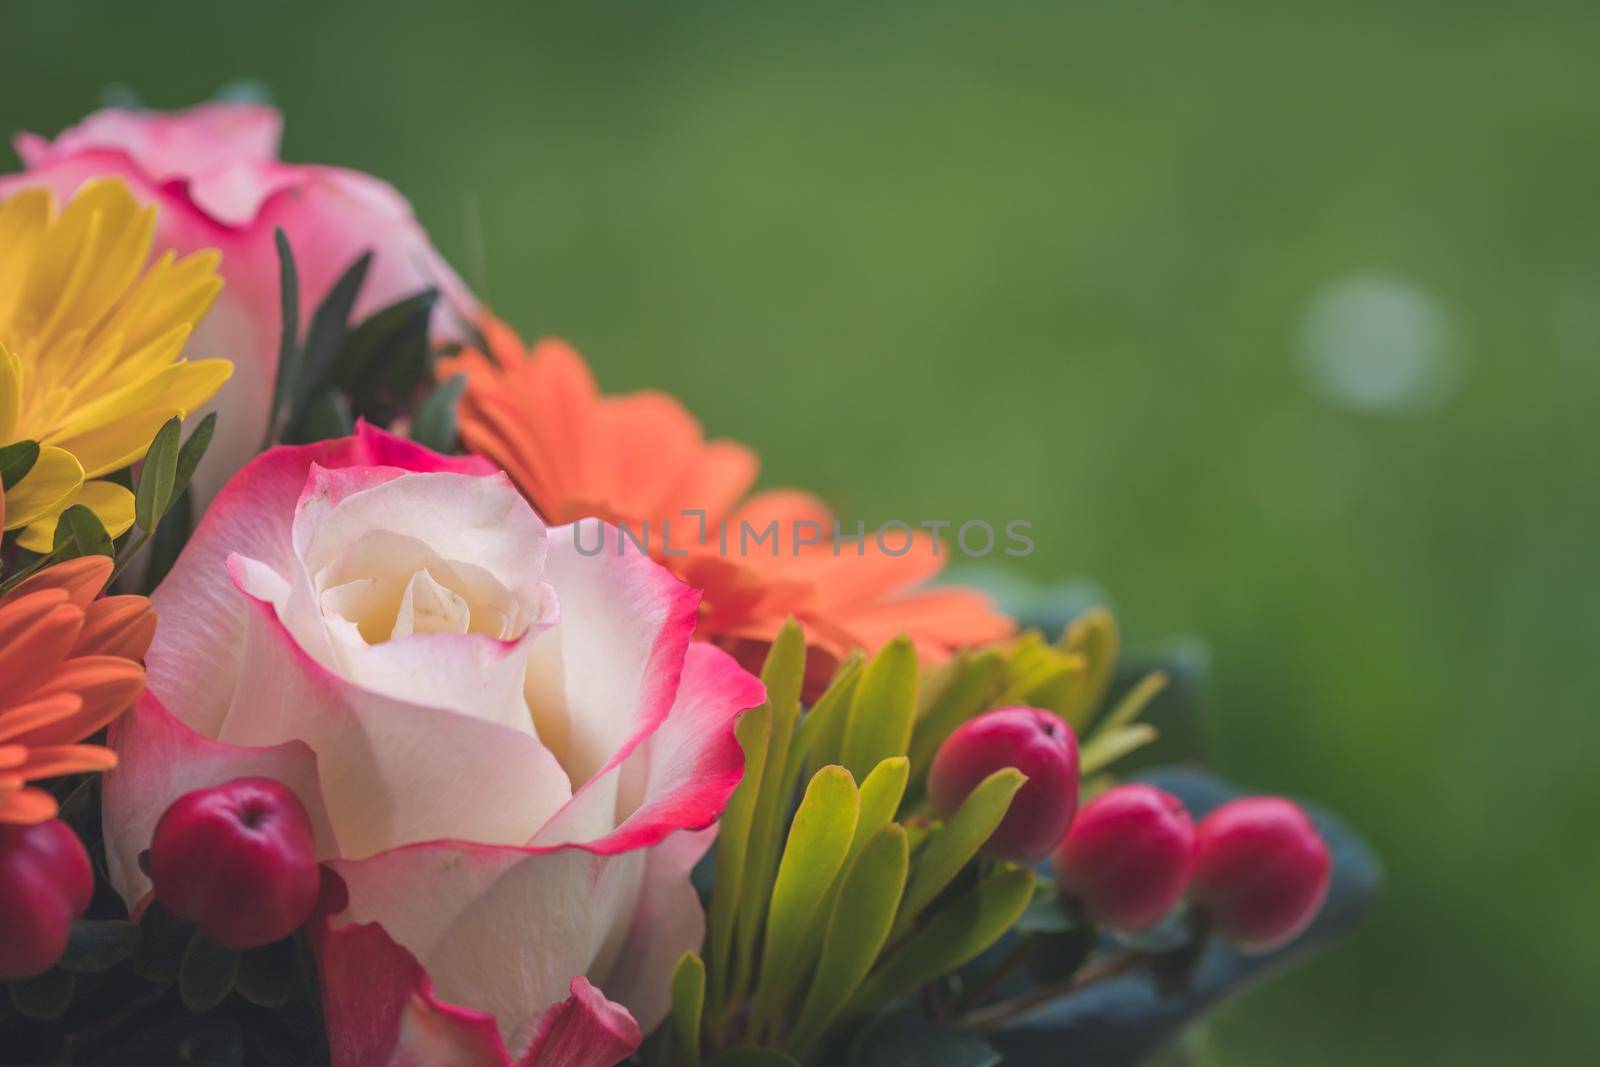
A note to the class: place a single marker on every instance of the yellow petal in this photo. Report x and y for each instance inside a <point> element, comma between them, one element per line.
<point>10,394</point>
<point>45,490</point>
<point>116,430</point>
<point>23,217</point>
<point>110,502</point>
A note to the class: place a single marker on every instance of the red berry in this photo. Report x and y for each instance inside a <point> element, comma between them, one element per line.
<point>239,860</point>
<point>1128,856</point>
<point>45,883</point>
<point>1037,743</point>
<point>1261,871</point>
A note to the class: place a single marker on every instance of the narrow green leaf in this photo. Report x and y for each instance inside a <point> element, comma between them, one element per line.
<point>968,925</point>
<point>858,925</point>
<point>1108,746</point>
<point>753,1056</point>
<point>948,848</point>
<point>267,974</point>
<point>733,835</point>
<point>688,1004</point>
<point>970,688</point>
<point>435,424</point>
<point>326,417</point>
<point>819,838</point>
<point>16,460</point>
<point>388,354</point>
<point>207,973</point>
<point>820,737</point>
<point>193,451</point>
<point>1134,701</point>
<point>1093,635</point>
<point>44,996</point>
<point>79,532</point>
<point>169,539</point>
<point>329,326</point>
<point>98,944</point>
<point>782,675</point>
<point>879,726</point>
<point>156,477</point>
<point>289,350</point>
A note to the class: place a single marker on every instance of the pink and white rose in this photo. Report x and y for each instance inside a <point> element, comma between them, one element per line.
<point>214,173</point>
<point>510,750</point>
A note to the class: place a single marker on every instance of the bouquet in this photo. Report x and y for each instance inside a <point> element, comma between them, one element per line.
<point>375,689</point>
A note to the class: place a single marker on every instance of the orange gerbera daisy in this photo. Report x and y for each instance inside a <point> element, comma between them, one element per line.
<point>69,664</point>
<point>641,460</point>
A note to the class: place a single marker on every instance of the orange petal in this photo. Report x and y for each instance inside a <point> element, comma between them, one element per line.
<point>81,579</point>
<point>23,718</point>
<point>36,634</point>
<point>107,684</point>
<point>12,756</point>
<point>26,806</point>
<point>117,626</point>
<point>47,761</point>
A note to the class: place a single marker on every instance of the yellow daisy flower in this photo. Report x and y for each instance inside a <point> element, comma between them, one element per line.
<point>89,343</point>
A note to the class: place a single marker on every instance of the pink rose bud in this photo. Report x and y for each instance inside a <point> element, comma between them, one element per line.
<point>1128,856</point>
<point>239,860</point>
<point>45,883</point>
<point>1261,871</point>
<point>1037,743</point>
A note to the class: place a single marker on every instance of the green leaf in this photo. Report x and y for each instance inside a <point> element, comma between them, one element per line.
<point>193,451</point>
<point>16,460</point>
<point>970,687</point>
<point>863,911</point>
<point>435,424</point>
<point>1108,746</point>
<point>1134,701</point>
<point>326,417</point>
<point>80,533</point>
<point>267,974</point>
<point>44,996</point>
<point>1048,913</point>
<point>948,848</point>
<point>688,1005</point>
<point>329,326</point>
<point>169,539</point>
<point>956,933</point>
<point>207,974</point>
<point>289,350</point>
<point>753,1056</point>
<point>157,476</point>
<point>781,674</point>
<point>98,945</point>
<point>821,735</point>
<point>733,835</point>
<point>163,938</point>
<point>819,838</point>
<point>908,1038</point>
<point>879,726</point>
<point>388,356</point>
<point>1092,635</point>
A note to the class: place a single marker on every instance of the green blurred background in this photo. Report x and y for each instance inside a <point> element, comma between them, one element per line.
<point>1279,321</point>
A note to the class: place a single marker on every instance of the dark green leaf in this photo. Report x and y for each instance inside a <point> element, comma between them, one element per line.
<point>44,996</point>
<point>266,974</point>
<point>387,357</point>
<point>207,973</point>
<point>163,937</point>
<point>435,424</point>
<point>1046,913</point>
<point>169,539</point>
<point>329,328</point>
<point>157,476</point>
<point>99,944</point>
<point>192,452</point>
<point>16,460</point>
<point>80,533</point>
<point>751,1056</point>
<point>289,350</point>
<point>326,416</point>
<point>908,1039</point>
